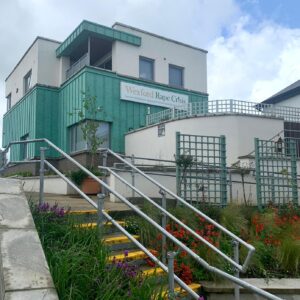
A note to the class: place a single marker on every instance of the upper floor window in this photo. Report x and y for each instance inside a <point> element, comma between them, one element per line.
<point>8,98</point>
<point>27,82</point>
<point>176,76</point>
<point>146,68</point>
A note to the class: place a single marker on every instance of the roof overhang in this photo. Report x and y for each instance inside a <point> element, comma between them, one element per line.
<point>283,96</point>
<point>86,29</point>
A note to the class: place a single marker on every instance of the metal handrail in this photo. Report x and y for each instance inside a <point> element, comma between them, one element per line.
<point>152,222</point>
<point>108,217</point>
<point>202,262</point>
<point>186,204</point>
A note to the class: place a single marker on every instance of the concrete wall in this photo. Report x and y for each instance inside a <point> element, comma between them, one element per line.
<point>239,131</point>
<point>125,59</point>
<point>24,272</point>
<point>52,185</point>
<point>41,59</point>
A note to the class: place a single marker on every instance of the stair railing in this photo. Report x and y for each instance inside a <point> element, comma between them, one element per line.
<point>181,245</point>
<point>236,239</point>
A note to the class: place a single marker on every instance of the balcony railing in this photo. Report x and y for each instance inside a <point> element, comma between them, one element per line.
<point>221,107</point>
<point>79,64</point>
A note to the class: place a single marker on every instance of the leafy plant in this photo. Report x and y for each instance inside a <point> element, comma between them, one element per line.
<point>79,176</point>
<point>89,125</point>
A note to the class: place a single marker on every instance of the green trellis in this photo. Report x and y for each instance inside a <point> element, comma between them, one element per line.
<point>201,168</point>
<point>276,172</point>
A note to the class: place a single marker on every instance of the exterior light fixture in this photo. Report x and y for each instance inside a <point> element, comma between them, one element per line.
<point>279,145</point>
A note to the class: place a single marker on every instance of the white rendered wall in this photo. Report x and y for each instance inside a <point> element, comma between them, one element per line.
<point>292,102</point>
<point>45,69</point>
<point>14,83</point>
<point>125,59</point>
<point>48,63</point>
<point>239,131</point>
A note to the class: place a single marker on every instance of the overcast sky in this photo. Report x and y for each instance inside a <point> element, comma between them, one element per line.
<point>253,45</point>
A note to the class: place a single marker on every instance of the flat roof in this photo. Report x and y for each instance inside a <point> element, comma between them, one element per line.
<point>159,36</point>
<point>87,28</point>
<point>35,40</point>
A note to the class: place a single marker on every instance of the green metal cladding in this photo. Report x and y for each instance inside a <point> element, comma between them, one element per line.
<point>87,28</point>
<point>48,113</point>
<point>36,115</point>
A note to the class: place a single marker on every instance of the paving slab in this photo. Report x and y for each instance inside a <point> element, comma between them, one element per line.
<point>15,212</point>
<point>23,260</point>
<point>10,186</point>
<point>43,294</point>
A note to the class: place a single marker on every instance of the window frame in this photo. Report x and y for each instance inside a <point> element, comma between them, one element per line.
<point>73,136</point>
<point>147,59</point>
<point>8,99</point>
<point>182,75</point>
<point>26,82</point>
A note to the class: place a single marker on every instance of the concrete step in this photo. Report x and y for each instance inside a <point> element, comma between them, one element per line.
<point>181,292</point>
<point>133,255</point>
<point>153,271</point>
<point>119,241</point>
<point>94,224</point>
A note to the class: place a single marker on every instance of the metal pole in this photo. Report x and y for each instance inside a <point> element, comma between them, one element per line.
<point>163,225</point>
<point>104,163</point>
<point>132,175</point>
<point>42,172</point>
<point>100,217</point>
<point>171,256</point>
<point>236,273</point>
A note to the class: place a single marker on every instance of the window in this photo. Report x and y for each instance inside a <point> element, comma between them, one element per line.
<point>77,141</point>
<point>8,98</point>
<point>24,147</point>
<point>27,82</point>
<point>175,76</point>
<point>161,130</point>
<point>146,68</point>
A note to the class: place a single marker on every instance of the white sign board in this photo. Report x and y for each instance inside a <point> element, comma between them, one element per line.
<point>151,96</point>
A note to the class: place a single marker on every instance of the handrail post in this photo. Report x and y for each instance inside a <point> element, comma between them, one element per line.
<point>42,173</point>
<point>104,163</point>
<point>163,225</point>
<point>100,217</point>
<point>132,175</point>
<point>171,257</point>
<point>236,273</point>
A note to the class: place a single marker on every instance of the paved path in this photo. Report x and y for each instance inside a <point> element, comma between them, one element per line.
<point>76,202</point>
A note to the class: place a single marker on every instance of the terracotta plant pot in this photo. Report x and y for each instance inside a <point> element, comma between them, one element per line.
<point>90,186</point>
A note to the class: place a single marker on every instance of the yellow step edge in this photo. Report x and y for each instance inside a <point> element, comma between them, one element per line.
<point>118,239</point>
<point>179,290</point>
<point>153,271</point>
<point>135,255</point>
<point>94,224</point>
<point>82,212</point>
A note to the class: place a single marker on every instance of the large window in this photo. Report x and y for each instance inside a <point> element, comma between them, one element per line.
<point>8,98</point>
<point>147,68</point>
<point>77,141</point>
<point>27,82</point>
<point>176,76</point>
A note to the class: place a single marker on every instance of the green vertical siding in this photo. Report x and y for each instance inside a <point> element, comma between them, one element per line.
<point>47,117</point>
<point>49,112</point>
<point>35,115</point>
<point>19,121</point>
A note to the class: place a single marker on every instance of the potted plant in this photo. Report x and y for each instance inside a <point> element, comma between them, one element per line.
<point>89,125</point>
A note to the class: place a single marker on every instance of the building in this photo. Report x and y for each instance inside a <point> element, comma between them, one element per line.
<point>289,96</point>
<point>132,73</point>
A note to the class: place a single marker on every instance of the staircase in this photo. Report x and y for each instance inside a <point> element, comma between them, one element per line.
<point>123,250</point>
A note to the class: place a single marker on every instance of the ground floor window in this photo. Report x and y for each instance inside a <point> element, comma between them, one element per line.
<point>77,141</point>
<point>24,147</point>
